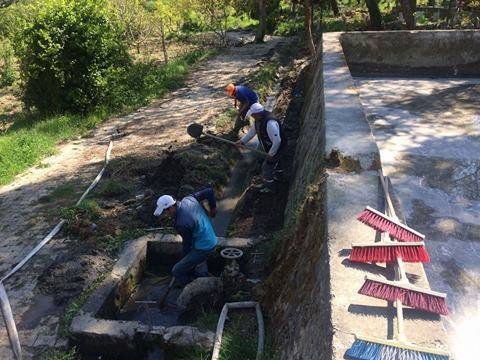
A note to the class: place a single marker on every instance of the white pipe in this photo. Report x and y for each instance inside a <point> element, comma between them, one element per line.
<point>10,323</point>
<point>4,302</point>
<point>221,323</point>
<point>57,228</point>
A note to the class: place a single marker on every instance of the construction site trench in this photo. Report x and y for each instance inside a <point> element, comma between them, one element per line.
<point>296,242</point>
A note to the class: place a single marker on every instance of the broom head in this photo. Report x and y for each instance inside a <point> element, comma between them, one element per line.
<point>387,252</point>
<point>365,348</point>
<point>383,223</point>
<point>409,295</point>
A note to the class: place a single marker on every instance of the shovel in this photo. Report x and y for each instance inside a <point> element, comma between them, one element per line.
<point>164,297</point>
<point>196,130</point>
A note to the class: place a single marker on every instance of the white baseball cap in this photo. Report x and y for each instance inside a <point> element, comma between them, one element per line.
<point>254,109</point>
<point>163,202</point>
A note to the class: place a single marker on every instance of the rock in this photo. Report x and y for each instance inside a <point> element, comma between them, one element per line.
<point>199,288</point>
<point>188,337</point>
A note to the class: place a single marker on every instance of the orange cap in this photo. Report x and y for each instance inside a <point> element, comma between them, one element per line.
<point>230,89</point>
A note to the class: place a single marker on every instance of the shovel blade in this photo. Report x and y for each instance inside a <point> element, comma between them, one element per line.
<point>195,130</point>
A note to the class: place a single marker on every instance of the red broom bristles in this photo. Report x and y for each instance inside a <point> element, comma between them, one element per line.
<point>384,223</point>
<point>408,297</point>
<point>387,254</point>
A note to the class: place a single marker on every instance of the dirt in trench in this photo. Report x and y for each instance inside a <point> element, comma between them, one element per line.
<point>123,206</point>
<point>261,214</point>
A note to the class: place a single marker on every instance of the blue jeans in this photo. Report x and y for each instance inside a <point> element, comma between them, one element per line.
<point>192,265</point>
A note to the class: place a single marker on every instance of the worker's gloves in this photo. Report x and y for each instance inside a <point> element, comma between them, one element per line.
<point>213,212</point>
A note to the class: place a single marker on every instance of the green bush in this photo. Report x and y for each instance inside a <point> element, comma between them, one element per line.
<point>67,52</point>
<point>7,71</point>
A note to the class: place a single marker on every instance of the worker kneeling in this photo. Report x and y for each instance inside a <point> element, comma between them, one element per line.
<point>194,226</point>
<point>270,134</point>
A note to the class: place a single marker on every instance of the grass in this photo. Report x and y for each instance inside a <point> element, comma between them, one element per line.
<point>207,320</point>
<point>74,306</point>
<point>32,137</point>
<point>239,340</point>
<point>55,354</point>
<point>87,208</point>
<point>64,191</point>
<point>225,121</point>
<point>263,80</point>
<point>28,140</point>
<point>112,188</point>
<point>112,244</point>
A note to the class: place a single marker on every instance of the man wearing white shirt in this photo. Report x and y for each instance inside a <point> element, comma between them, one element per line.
<point>270,134</point>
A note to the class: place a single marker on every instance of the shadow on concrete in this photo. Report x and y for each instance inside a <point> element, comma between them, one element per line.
<point>390,312</point>
<point>373,269</point>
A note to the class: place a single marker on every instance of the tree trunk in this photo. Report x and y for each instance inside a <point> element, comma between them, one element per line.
<point>407,11</point>
<point>374,13</point>
<point>262,12</point>
<point>307,4</point>
<point>334,6</point>
<point>452,13</point>
<point>164,47</point>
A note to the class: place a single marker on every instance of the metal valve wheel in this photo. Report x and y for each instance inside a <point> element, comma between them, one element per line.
<point>231,253</point>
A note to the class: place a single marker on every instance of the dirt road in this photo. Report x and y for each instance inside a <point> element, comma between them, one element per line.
<point>26,219</point>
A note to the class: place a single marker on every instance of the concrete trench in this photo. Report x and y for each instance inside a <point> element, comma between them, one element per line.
<point>112,324</point>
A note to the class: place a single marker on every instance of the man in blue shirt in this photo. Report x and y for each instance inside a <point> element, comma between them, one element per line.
<point>246,97</point>
<point>195,228</point>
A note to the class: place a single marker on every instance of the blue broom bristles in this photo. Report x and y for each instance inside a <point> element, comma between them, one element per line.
<point>366,350</point>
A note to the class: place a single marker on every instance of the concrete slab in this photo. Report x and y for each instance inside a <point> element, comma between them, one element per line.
<point>349,190</point>
<point>349,138</point>
<point>429,138</point>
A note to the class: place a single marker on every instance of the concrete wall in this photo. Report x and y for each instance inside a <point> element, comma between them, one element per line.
<point>440,52</point>
<point>298,294</point>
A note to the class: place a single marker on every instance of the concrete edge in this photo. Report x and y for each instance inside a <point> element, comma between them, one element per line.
<point>349,141</point>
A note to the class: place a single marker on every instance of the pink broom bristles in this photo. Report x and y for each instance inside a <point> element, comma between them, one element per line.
<point>387,254</point>
<point>409,297</point>
<point>384,223</point>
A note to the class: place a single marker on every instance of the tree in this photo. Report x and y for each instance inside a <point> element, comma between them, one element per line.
<point>167,17</point>
<point>375,16</point>
<point>308,10</point>
<point>408,10</point>
<point>262,17</point>
<point>334,6</point>
<point>215,15</point>
<point>137,22</point>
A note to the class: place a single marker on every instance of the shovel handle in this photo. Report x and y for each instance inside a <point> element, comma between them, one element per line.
<point>162,300</point>
<point>234,143</point>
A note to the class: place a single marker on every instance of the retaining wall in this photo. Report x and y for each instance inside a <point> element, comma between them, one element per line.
<point>440,52</point>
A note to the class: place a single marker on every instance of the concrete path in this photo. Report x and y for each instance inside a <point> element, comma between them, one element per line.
<point>25,220</point>
<point>428,132</point>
